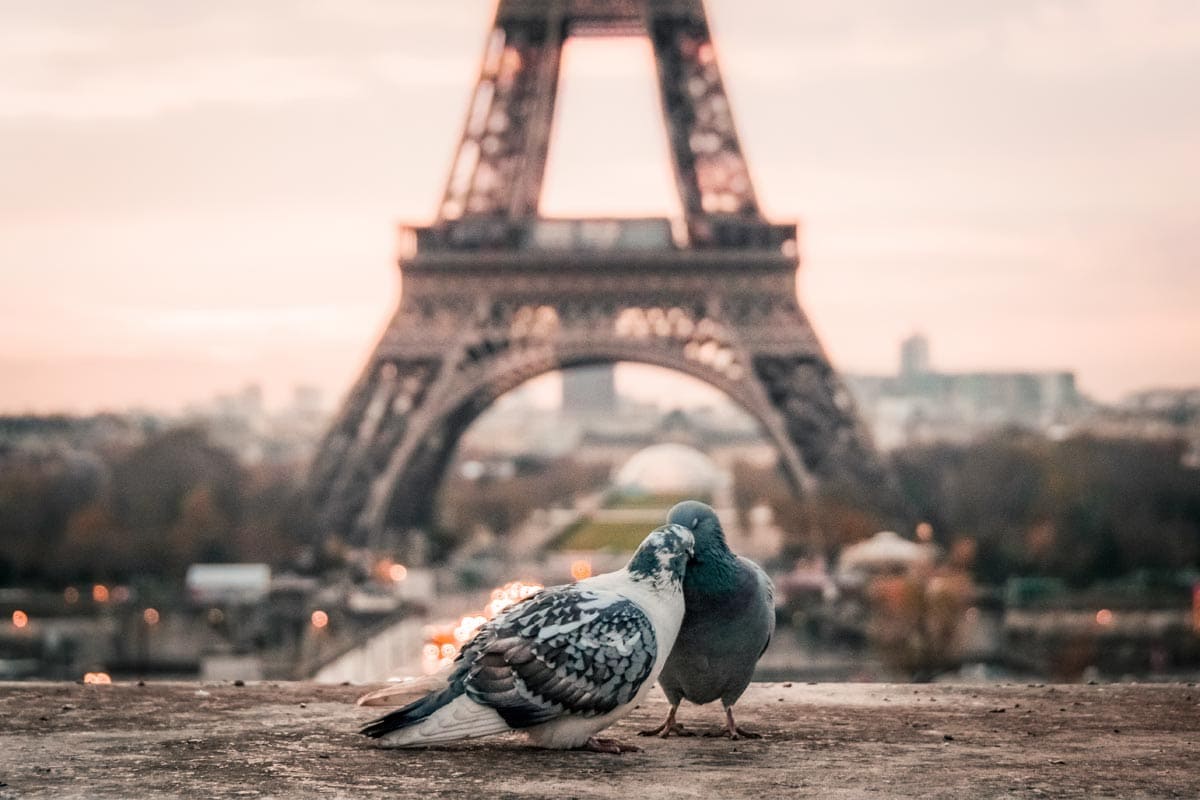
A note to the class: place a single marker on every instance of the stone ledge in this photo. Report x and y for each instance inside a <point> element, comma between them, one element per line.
<point>825,740</point>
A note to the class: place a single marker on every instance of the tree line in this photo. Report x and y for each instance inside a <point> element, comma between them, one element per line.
<point>70,513</point>
<point>74,508</point>
<point>1083,509</point>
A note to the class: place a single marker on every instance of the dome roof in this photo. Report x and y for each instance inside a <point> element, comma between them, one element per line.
<point>669,469</point>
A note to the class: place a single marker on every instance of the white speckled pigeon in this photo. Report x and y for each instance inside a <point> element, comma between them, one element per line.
<point>728,623</point>
<point>562,665</point>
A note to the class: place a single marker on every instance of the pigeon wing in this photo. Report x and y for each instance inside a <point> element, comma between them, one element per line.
<point>566,651</point>
<point>766,598</point>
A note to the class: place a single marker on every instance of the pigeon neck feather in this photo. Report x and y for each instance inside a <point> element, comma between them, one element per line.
<point>715,568</point>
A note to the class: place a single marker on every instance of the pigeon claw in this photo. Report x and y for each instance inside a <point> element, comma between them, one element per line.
<point>735,732</point>
<point>664,731</point>
<point>668,727</point>
<point>597,745</point>
<point>742,733</point>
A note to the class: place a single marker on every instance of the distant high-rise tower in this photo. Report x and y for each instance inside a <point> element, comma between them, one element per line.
<point>589,390</point>
<point>496,294</point>
<point>914,356</point>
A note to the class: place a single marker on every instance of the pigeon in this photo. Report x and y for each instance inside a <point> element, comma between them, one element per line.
<point>730,617</point>
<point>563,664</point>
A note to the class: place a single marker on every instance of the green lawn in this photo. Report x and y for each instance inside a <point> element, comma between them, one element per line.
<point>663,501</point>
<point>592,535</point>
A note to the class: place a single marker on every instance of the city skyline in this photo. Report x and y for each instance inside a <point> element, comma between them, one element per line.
<point>199,198</point>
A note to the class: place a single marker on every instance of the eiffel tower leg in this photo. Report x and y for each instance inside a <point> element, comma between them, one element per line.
<point>443,360</point>
<point>372,423</point>
<point>748,336</point>
<point>502,155</point>
<point>818,424</point>
<point>711,174</point>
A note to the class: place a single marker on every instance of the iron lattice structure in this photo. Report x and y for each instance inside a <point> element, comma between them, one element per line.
<point>495,295</point>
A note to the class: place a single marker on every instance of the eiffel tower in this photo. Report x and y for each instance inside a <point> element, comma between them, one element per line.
<point>494,294</point>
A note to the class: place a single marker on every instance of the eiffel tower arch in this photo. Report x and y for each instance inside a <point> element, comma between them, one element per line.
<point>493,294</point>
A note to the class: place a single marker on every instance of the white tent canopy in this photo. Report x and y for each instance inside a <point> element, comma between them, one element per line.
<point>884,549</point>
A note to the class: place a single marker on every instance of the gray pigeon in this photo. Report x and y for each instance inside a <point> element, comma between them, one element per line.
<point>562,665</point>
<point>728,622</point>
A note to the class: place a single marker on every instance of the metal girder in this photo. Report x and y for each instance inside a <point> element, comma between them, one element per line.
<point>495,295</point>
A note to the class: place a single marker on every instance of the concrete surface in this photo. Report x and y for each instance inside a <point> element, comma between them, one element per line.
<point>829,741</point>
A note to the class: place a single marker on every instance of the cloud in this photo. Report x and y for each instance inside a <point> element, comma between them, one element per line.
<point>238,321</point>
<point>401,68</point>
<point>40,41</point>
<point>407,13</point>
<point>1035,37</point>
<point>865,50</point>
<point>1102,35</point>
<point>149,59</point>
<point>247,80</point>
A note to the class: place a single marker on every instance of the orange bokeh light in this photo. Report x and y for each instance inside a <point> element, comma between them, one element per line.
<point>466,628</point>
<point>20,619</point>
<point>319,619</point>
<point>387,570</point>
<point>443,641</point>
<point>581,569</point>
<point>97,678</point>
<point>1104,617</point>
<point>150,615</point>
<point>100,593</point>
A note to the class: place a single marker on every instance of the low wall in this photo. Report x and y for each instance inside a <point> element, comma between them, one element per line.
<point>822,740</point>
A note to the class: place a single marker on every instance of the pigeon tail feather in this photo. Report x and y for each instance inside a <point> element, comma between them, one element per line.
<point>404,692</point>
<point>461,718</point>
<point>413,713</point>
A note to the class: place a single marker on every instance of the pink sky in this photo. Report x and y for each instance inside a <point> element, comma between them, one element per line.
<point>197,196</point>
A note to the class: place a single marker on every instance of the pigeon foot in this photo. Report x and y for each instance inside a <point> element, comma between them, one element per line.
<point>596,745</point>
<point>668,727</point>
<point>742,733</point>
<point>665,731</point>
<point>734,732</point>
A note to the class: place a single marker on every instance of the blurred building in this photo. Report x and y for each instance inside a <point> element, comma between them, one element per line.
<point>241,423</point>
<point>920,404</point>
<point>597,424</point>
<point>914,356</point>
<point>590,390</point>
<point>1163,414</point>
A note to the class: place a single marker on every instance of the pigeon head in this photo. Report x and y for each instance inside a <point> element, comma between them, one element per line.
<point>713,567</point>
<point>702,521</point>
<point>663,556</point>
